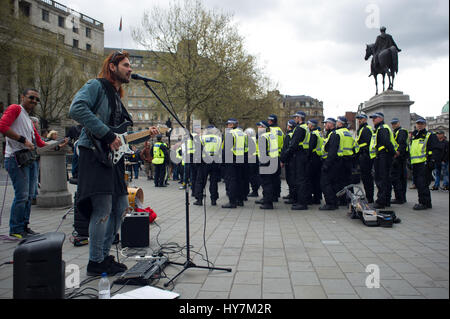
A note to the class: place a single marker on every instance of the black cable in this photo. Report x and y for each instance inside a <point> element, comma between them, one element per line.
<point>204,227</point>
<point>7,263</point>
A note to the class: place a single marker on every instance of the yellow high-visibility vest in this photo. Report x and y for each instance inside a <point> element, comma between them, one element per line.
<point>211,144</point>
<point>158,154</point>
<point>418,150</point>
<point>346,142</point>
<point>318,149</point>
<point>392,139</point>
<point>272,144</point>
<point>238,142</point>
<point>275,130</point>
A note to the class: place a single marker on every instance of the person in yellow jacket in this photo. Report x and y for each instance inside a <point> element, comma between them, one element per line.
<point>424,152</point>
<point>160,157</point>
<point>366,155</point>
<point>386,149</point>
<point>278,133</point>
<point>346,153</point>
<point>315,163</point>
<point>267,154</point>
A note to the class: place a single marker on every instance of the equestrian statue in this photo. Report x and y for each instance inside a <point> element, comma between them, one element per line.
<point>385,58</point>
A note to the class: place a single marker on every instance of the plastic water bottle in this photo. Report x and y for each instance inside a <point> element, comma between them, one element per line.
<point>104,288</point>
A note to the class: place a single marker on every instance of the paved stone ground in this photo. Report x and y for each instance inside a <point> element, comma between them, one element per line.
<point>275,254</point>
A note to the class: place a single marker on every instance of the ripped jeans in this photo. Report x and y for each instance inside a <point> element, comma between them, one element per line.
<point>105,222</point>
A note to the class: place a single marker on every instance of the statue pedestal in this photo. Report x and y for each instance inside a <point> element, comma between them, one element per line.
<point>392,104</point>
<point>53,191</point>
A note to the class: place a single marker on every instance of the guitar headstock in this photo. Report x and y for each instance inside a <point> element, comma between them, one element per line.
<point>162,129</point>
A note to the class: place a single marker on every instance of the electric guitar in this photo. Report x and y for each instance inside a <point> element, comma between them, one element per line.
<point>108,157</point>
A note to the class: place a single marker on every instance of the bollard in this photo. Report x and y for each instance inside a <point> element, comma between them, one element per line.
<point>53,191</point>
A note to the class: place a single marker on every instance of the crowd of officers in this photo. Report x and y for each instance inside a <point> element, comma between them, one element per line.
<point>315,162</point>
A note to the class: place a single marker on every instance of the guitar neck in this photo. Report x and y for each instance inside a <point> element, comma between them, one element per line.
<point>135,136</point>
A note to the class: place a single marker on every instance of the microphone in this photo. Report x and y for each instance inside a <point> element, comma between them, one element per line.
<point>136,76</point>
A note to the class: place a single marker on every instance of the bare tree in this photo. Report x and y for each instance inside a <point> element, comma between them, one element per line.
<point>201,59</point>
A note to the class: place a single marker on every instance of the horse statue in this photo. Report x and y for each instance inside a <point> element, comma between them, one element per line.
<point>385,63</point>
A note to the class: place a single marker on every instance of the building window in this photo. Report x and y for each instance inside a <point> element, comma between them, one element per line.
<point>45,15</point>
<point>25,8</point>
<point>146,116</point>
<point>61,22</point>
<point>89,33</point>
<point>75,43</point>
<point>88,47</point>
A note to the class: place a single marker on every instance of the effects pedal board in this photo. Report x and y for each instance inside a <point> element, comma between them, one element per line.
<point>143,273</point>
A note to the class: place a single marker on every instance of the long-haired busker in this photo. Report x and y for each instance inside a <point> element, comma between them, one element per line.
<point>102,192</point>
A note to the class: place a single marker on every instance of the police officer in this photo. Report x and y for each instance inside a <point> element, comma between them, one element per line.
<point>267,152</point>
<point>329,180</point>
<point>347,149</point>
<point>315,162</point>
<point>386,148</point>
<point>398,170</point>
<point>366,155</point>
<point>160,156</point>
<point>289,167</point>
<point>234,145</point>
<point>210,166</point>
<point>299,148</point>
<point>278,132</point>
<point>252,163</point>
<point>424,153</point>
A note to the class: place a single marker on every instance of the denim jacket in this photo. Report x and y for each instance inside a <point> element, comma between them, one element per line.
<point>82,110</point>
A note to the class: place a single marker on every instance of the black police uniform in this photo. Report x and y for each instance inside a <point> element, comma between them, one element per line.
<point>330,170</point>
<point>253,170</point>
<point>289,169</point>
<point>365,162</point>
<point>398,170</point>
<point>314,171</point>
<point>382,165</point>
<point>300,166</point>
<point>422,173</point>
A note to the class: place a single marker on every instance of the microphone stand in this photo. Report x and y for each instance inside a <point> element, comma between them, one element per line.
<point>188,263</point>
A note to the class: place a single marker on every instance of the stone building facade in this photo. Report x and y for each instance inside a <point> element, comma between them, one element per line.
<point>77,35</point>
<point>289,105</point>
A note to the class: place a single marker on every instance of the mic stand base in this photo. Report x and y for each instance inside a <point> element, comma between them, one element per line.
<point>189,264</point>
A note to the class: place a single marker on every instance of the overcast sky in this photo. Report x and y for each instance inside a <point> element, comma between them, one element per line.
<point>317,47</point>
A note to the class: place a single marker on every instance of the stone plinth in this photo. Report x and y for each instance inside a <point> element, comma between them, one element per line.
<point>391,104</point>
<point>53,191</point>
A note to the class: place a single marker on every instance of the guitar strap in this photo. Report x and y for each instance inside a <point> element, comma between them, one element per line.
<point>118,112</point>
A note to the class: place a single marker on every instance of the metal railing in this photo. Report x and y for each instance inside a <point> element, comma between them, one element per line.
<point>67,10</point>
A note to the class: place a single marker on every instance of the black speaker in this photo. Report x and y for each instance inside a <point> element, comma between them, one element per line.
<point>135,230</point>
<point>39,271</point>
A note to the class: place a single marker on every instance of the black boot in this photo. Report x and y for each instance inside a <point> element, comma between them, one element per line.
<point>229,205</point>
<point>266,206</point>
<point>328,207</point>
<point>299,207</point>
<point>198,202</point>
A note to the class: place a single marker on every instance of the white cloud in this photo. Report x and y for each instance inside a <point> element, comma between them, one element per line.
<point>316,47</point>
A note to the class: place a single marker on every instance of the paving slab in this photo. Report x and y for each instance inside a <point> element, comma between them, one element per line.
<point>280,254</point>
